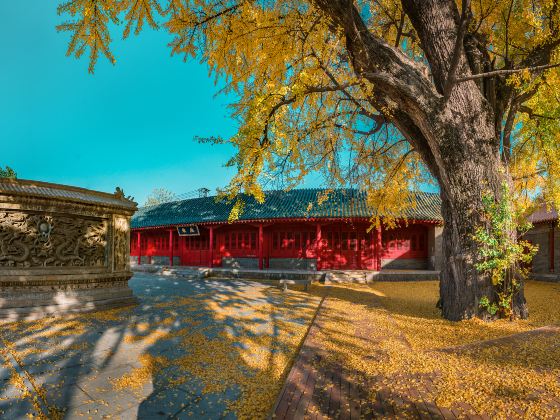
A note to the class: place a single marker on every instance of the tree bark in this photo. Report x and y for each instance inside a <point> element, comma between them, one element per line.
<point>461,285</point>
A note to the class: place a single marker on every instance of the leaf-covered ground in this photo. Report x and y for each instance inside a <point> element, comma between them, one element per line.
<point>223,348</point>
<point>392,337</point>
<point>189,349</point>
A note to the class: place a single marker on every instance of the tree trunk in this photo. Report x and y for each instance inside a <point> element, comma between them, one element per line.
<point>461,285</point>
<point>471,173</point>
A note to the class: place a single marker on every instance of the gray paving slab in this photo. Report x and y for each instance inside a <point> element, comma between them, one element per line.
<point>16,408</point>
<point>99,384</point>
<point>66,396</point>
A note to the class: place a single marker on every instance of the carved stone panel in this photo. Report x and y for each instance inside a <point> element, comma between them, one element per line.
<point>121,244</point>
<point>29,240</point>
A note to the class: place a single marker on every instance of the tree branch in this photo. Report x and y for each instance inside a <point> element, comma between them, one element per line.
<point>525,109</point>
<point>287,101</point>
<point>505,72</point>
<point>398,76</point>
<point>465,18</point>
<point>400,30</point>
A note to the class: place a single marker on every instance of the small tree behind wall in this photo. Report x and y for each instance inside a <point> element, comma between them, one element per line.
<point>502,256</point>
<point>7,173</point>
<point>159,196</point>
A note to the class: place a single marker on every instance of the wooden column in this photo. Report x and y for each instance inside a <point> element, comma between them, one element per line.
<point>358,250</point>
<point>171,247</point>
<point>378,246</point>
<point>260,247</point>
<point>372,247</point>
<point>211,246</point>
<point>139,248</point>
<point>551,247</point>
<point>318,246</point>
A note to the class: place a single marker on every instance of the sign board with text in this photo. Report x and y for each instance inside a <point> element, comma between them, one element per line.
<point>191,230</point>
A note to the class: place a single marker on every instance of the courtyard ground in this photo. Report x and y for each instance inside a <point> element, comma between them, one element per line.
<point>222,349</point>
<point>197,349</point>
<point>383,351</point>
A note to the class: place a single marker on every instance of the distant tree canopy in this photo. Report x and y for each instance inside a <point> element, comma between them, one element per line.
<point>7,173</point>
<point>160,195</point>
<point>382,94</point>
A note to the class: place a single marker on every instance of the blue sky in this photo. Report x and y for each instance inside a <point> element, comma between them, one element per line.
<point>130,125</point>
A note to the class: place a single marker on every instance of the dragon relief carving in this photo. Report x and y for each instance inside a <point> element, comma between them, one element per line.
<point>35,240</point>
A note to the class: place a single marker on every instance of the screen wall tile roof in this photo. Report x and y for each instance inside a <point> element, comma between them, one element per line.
<point>278,204</point>
<point>22,187</point>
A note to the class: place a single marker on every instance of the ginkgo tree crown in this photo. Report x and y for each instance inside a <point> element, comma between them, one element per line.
<point>306,101</point>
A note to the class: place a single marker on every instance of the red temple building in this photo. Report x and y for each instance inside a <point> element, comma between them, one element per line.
<point>290,230</point>
<point>546,235</point>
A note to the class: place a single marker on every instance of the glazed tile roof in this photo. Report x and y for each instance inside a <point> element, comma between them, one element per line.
<point>278,204</point>
<point>21,187</point>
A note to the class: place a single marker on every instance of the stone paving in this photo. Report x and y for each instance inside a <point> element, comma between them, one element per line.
<point>69,365</point>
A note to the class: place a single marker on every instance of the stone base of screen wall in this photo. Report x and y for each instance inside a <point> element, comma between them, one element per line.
<point>44,296</point>
<point>62,249</point>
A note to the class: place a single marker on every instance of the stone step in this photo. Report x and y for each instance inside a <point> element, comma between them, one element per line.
<point>328,277</point>
<point>346,277</point>
<point>184,273</point>
<point>250,274</point>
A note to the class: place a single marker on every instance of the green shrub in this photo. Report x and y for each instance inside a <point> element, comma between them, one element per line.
<point>502,256</point>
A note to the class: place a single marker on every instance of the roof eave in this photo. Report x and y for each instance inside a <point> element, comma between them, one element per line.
<point>285,220</point>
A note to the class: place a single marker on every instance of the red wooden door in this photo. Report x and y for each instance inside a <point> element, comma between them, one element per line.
<point>409,242</point>
<point>348,250</point>
<point>347,247</point>
<point>366,250</point>
<point>195,251</point>
<point>341,249</point>
<point>291,243</point>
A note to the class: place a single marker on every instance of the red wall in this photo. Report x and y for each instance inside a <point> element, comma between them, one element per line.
<point>343,245</point>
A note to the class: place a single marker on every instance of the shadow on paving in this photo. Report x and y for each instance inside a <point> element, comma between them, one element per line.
<point>188,349</point>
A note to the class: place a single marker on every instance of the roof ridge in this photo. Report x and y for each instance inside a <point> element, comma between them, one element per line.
<point>308,189</point>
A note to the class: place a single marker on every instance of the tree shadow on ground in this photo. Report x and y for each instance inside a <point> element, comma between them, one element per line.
<point>234,357</point>
<point>478,375</point>
<point>188,349</point>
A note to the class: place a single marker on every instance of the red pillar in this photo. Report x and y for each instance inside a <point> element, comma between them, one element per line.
<point>318,246</point>
<point>139,249</point>
<point>260,247</point>
<point>378,246</point>
<point>211,246</point>
<point>171,247</point>
<point>372,248</point>
<point>551,247</point>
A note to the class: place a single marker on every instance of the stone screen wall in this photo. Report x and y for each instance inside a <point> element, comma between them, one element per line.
<point>62,249</point>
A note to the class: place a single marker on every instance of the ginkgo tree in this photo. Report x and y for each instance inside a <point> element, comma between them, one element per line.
<point>159,196</point>
<point>384,94</point>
